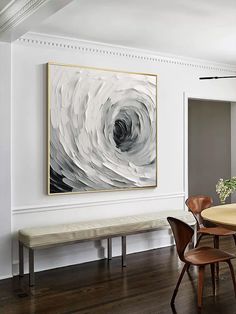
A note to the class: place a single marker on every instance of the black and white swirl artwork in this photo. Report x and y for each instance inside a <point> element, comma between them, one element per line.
<point>102,129</point>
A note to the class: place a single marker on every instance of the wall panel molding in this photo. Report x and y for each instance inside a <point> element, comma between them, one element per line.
<point>55,207</point>
<point>76,45</point>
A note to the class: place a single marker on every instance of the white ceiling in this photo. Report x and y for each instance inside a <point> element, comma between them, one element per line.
<point>203,29</point>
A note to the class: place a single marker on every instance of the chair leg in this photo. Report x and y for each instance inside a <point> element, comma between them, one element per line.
<point>234,236</point>
<point>195,235</point>
<point>213,278</point>
<point>200,286</point>
<point>216,242</point>
<point>178,283</point>
<point>198,240</point>
<point>232,275</point>
<point>187,269</point>
<point>216,246</point>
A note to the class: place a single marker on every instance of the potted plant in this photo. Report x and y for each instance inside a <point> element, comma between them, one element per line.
<point>225,187</point>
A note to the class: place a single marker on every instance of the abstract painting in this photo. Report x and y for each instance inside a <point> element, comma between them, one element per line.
<point>101,129</point>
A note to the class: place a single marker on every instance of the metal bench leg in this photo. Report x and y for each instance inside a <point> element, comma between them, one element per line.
<point>21,259</point>
<point>123,244</point>
<point>172,241</point>
<point>31,267</point>
<point>109,248</point>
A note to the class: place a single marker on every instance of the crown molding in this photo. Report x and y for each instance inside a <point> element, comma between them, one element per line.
<point>15,17</point>
<point>83,46</point>
<point>17,11</point>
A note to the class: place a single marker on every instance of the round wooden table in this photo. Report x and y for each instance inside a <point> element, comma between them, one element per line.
<point>223,215</point>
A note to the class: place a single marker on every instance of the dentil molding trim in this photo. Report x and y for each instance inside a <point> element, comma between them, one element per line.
<point>17,11</point>
<point>55,207</point>
<point>76,45</point>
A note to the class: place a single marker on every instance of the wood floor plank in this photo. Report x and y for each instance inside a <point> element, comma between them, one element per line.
<point>145,286</point>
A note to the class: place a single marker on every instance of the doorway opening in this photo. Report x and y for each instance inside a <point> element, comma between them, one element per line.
<point>211,147</point>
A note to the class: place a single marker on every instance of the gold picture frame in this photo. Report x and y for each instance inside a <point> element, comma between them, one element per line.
<point>102,129</point>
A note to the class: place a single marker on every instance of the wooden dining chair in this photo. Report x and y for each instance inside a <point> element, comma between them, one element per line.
<point>200,256</point>
<point>196,204</point>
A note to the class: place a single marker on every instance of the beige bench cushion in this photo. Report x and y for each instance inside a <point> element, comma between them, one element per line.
<point>50,235</point>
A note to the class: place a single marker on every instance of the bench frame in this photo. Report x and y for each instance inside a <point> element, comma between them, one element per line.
<point>109,249</point>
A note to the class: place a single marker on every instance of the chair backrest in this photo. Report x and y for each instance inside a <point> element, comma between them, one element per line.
<point>183,234</point>
<point>196,204</point>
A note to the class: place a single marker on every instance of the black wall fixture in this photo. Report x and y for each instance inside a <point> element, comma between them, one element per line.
<point>216,77</point>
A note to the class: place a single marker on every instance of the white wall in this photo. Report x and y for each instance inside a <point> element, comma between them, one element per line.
<point>5,150</point>
<point>30,204</point>
<point>233,146</point>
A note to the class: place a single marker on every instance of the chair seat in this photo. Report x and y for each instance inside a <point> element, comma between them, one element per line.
<point>218,231</point>
<point>200,256</point>
<point>207,255</point>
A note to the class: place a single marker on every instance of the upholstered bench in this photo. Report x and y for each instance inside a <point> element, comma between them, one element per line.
<point>46,237</point>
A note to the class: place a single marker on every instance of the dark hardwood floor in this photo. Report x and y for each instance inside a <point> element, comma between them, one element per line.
<point>145,286</point>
